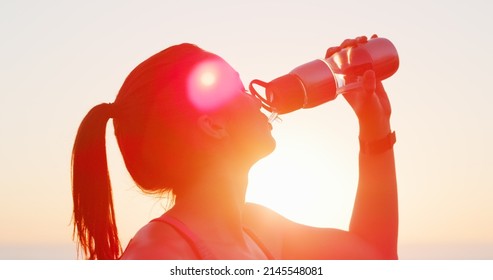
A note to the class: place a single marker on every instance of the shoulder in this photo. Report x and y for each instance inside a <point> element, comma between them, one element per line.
<point>157,241</point>
<point>260,217</point>
<point>290,240</point>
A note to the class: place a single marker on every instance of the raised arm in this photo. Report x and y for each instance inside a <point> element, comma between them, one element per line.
<point>374,223</point>
<point>375,212</point>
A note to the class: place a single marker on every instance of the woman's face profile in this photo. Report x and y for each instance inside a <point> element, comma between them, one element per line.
<point>248,126</point>
<point>215,88</point>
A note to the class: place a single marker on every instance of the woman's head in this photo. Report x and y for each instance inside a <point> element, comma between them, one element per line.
<point>177,113</point>
<point>170,109</point>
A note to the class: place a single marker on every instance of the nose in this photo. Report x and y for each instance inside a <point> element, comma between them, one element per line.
<point>255,101</point>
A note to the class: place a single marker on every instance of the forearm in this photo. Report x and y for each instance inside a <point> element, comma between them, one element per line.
<point>375,213</point>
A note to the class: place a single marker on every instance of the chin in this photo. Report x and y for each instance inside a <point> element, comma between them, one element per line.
<point>267,149</point>
<point>256,147</point>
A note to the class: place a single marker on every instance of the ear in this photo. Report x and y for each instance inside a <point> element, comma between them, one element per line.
<point>212,126</point>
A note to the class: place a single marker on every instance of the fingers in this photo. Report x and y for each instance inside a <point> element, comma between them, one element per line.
<point>361,39</point>
<point>374,87</point>
<point>354,42</point>
<point>331,51</point>
<point>347,43</point>
<point>383,97</point>
<point>361,90</point>
<point>369,82</point>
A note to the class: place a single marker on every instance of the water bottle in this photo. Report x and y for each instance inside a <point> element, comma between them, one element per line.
<point>322,80</point>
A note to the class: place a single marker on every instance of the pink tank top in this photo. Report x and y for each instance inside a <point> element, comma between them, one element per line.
<point>197,245</point>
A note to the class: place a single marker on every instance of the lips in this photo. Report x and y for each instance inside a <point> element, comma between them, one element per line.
<point>266,119</point>
<point>269,125</point>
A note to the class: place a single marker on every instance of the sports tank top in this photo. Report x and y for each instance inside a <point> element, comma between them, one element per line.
<point>197,245</point>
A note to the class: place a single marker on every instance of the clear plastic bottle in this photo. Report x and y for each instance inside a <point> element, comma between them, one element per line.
<point>322,80</point>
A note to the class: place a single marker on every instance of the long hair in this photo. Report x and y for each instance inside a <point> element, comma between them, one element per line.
<point>93,214</point>
<point>150,101</point>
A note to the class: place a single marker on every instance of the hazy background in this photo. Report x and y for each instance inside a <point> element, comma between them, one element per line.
<point>60,58</point>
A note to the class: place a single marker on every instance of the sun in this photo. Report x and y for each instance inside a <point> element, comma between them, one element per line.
<point>305,179</point>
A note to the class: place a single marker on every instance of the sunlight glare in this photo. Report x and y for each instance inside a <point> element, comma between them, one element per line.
<point>208,78</point>
<point>306,180</point>
<point>213,83</point>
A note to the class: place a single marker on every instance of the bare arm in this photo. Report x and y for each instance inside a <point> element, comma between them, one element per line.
<point>375,212</point>
<point>373,229</point>
<point>374,223</point>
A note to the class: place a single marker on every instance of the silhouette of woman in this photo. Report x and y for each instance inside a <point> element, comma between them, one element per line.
<point>184,124</point>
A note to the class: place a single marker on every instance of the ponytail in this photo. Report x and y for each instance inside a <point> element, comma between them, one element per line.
<point>93,214</point>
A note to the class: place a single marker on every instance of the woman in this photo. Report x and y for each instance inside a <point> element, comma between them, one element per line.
<point>185,125</point>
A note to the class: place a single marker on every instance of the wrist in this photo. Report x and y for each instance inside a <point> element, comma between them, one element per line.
<point>372,131</point>
<point>378,146</point>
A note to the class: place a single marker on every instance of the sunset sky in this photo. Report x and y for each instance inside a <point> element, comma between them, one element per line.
<point>60,58</point>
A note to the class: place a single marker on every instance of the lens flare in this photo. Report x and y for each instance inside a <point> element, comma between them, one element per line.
<point>212,84</point>
<point>208,78</point>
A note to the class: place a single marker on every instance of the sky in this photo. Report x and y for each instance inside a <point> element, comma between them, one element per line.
<point>58,59</point>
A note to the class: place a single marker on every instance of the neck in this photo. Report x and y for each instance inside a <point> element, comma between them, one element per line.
<point>213,202</point>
